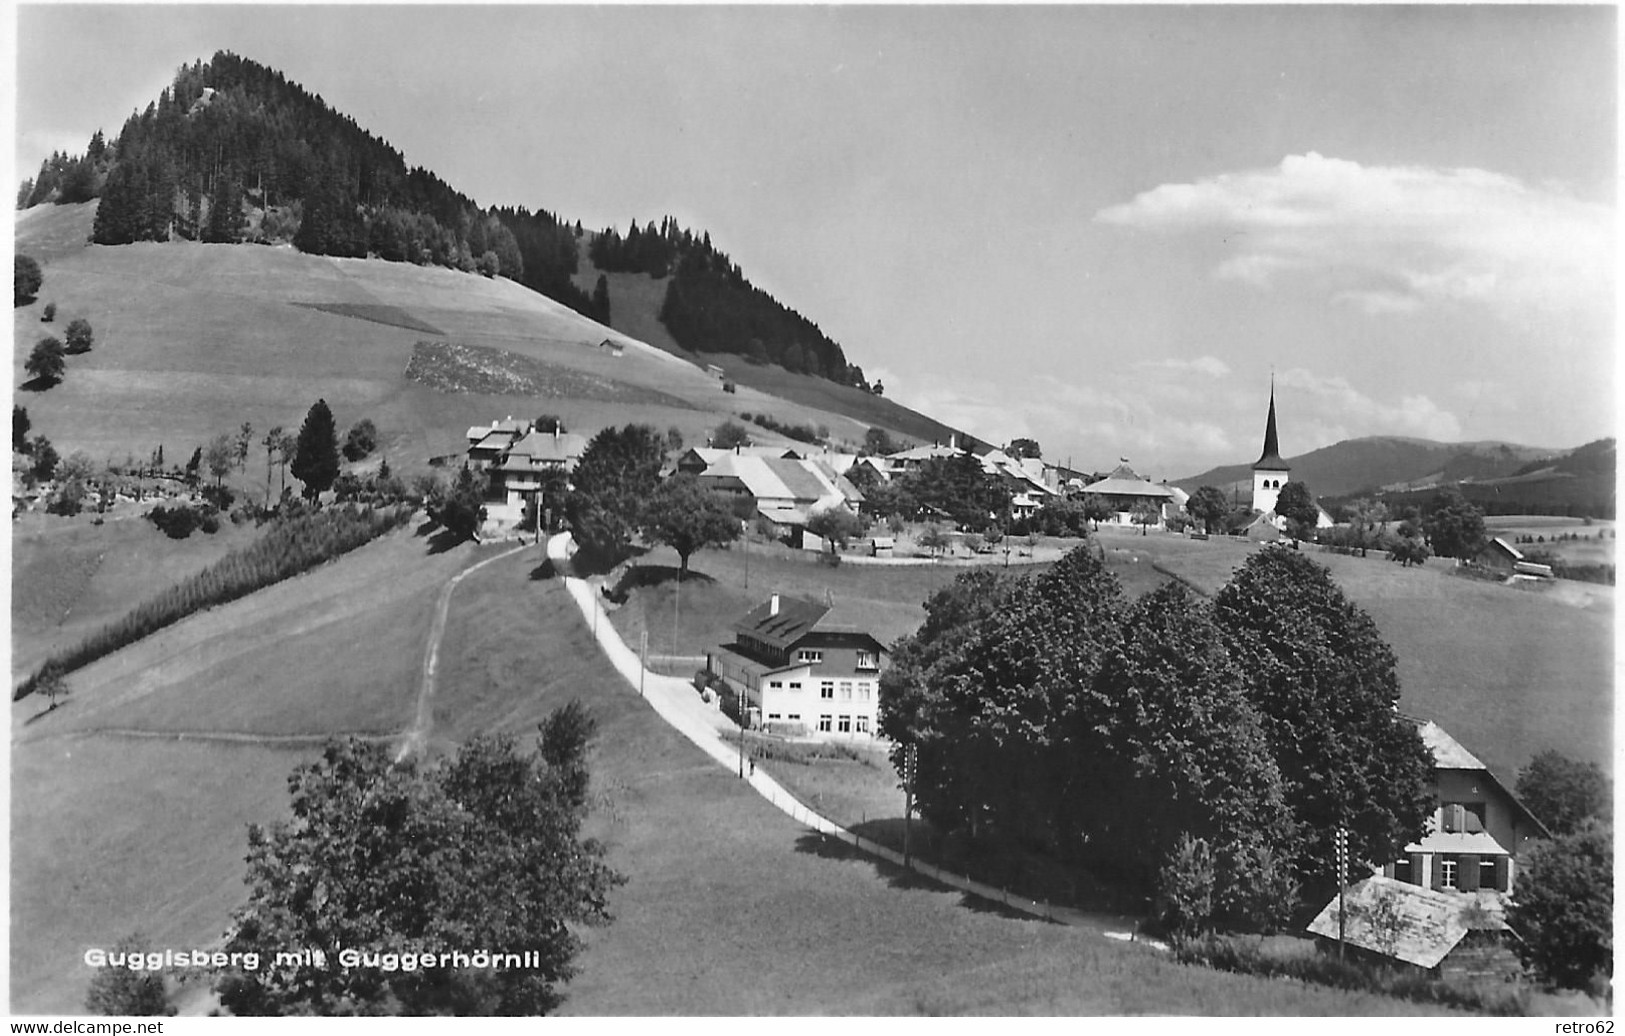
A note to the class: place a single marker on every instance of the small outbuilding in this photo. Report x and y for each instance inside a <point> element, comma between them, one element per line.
<point>1440,933</point>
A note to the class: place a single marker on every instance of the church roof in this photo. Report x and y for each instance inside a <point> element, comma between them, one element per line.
<point>1270,459</point>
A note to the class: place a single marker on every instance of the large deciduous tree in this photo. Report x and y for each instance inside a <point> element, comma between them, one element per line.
<point>47,363</point>
<point>475,856</point>
<point>1564,793</point>
<point>1297,505</point>
<point>316,456</point>
<point>81,339</point>
<point>1323,682</point>
<point>1454,527</point>
<point>1564,910</point>
<point>1208,506</point>
<point>617,473</point>
<point>25,279</point>
<point>686,516</point>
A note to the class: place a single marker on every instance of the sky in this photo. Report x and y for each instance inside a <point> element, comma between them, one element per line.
<point>1103,228</point>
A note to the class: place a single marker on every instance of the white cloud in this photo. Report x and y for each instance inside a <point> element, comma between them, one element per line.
<point>1338,406</point>
<point>1211,366</point>
<point>1392,239</point>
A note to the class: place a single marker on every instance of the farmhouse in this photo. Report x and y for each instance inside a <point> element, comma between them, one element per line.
<point>1436,932</point>
<point>1477,831</point>
<point>1124,490</point>
<point>1500,556</point>
<point>786,491</point>
<point>798,671</point>
<point>516,460</point>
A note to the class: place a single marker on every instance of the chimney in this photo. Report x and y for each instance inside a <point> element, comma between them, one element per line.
<point>773,605</point>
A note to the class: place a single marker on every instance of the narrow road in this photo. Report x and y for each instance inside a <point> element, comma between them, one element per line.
<point>676,702</point>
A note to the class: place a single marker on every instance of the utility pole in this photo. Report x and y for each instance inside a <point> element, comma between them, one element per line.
<point>1342,841</point>
<point>911,762</point>
<point>643,659</point>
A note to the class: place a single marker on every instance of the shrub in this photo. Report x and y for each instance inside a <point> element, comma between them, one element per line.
<point>49,314</point>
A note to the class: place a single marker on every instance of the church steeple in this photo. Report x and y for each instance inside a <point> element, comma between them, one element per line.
<point>1270,459</point>
<point>1270,472</point>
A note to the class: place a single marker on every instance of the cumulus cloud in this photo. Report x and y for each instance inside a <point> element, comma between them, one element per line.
<point>1393,239</point>
<point>1211,366</point>
<point>1339,406</point>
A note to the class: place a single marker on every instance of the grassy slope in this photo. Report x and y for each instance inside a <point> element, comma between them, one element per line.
<point>70,577</point>
<point>112,833</point>
<point>730,908</point>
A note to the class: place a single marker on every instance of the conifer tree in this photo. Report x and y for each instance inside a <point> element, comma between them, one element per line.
<point>316,457</point>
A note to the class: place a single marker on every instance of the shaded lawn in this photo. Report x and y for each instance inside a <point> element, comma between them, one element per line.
<point>69,577</point>
<point>110,836</point>
<point>731,908</point>
<point>337,649</point>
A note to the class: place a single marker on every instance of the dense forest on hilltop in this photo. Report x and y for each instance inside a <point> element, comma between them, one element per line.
<point>234,152</point>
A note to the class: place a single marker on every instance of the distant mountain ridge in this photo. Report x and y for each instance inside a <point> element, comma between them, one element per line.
<point>1502,477</point>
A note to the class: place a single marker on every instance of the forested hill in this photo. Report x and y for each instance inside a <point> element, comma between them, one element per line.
<point>234,152</point>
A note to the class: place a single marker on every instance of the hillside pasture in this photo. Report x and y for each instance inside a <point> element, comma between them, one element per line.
<point>69,577</point>
<point>129,799</point>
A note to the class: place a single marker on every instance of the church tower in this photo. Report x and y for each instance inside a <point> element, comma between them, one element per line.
<point>1270,471</point>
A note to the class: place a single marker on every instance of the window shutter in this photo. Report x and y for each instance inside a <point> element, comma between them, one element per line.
<point>1438,872</point>
<point>1416,868</point>
<point>1467,878</point>
<point>1501,875</point>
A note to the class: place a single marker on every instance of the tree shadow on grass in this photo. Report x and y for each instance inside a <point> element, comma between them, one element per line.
<point>544,571</point>
<point>39,384</point>
<point>443,541</point>
<point>656,575</point>
<point>425,526</point>
<point>41,714</point>
<point>829,847</point>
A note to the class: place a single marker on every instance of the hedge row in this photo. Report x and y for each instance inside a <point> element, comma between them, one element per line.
<point>289,548</point>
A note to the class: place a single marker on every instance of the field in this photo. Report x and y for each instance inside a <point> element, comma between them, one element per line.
<point>1593,545</point>
<point>129,800</point>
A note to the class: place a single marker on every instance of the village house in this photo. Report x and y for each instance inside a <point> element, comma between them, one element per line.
<point>516,459</point>
<point>1476,833</point>
<point>1500,556</point>
<point>1124,490</point>
<point>787,492</point>
<point>799,672</point>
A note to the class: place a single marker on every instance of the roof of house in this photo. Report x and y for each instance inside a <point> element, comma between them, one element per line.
<point>796,618</point>
<point>545,447</point>
<point>1125,481</point>
<point>1512,552</point>
<point>926,453</point>
<point>806,483</point>
<point>1422,925</point>
<point>1448,754</point>
<point>1477,843</point>
<point>510,426</point>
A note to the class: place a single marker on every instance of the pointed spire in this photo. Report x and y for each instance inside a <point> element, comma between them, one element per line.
<point>1270,459</point>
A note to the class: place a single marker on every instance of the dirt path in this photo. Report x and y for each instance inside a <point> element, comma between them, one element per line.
<point>417,735</point>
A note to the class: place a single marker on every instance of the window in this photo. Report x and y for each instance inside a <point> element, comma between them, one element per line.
<point>1467,817</point>
<point>863,692</point>
<point>1486,875</point>
<point>863,724</point>
<point>775,684</point>
<point>1447,872</point>
<point>795,685</point>
<point>1402,870</point>
<point>867,660</point>
<point>845,725</point>
<point>794,717</point>
<point>773,715</point>
<point>823,723</point>
<point>826,689</point>
<point>846,690</point>
<point>809,656</point>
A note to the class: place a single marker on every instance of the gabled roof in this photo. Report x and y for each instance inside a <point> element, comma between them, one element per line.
<point>926,453</point>
<point>804,482</point>
<point>1426,926</point>
<point>796,619</point>
<point>544,448</point>
<point>1125,481</point>
<point>1512,552</point>
<point>1448,754</point>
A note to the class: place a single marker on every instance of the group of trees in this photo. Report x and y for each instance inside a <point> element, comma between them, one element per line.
<point>449,864</point>
<point>47,363</point>
<point>618,493</point>
<point>1163,743</point>
<point>958,487</point>
<point>26,279</point>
